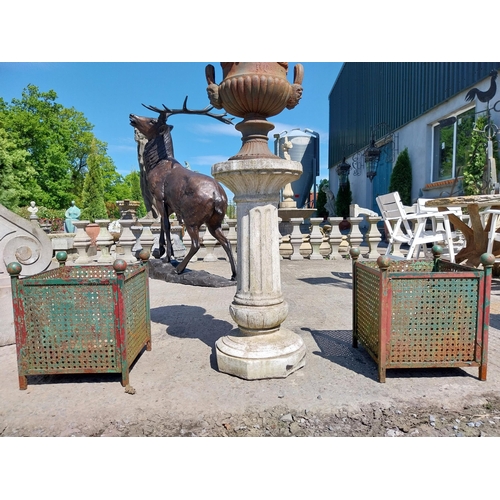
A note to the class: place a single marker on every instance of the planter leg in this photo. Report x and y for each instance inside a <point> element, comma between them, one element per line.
<point>482,372</point>
<point>23,382</point>
<point>381,374</point>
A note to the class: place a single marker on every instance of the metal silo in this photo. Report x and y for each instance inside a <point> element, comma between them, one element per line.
<point>304,149</point>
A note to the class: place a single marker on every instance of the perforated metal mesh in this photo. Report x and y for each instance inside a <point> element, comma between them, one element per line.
<point>433,320</point>
<point>71,323</point>
<point>138,330</point>
<point>368,310</point>
<point>434,312</point>
<point>69,328</point>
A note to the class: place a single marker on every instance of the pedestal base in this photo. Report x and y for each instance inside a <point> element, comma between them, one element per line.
<point>270,355</point>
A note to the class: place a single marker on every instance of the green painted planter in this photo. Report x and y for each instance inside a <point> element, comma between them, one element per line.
<point>81,319</point>
<point>422,313</point>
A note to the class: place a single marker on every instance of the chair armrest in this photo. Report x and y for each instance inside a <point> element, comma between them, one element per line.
<point>431,215</point>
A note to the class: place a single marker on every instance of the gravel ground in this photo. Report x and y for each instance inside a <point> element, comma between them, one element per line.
<point>178,391</point>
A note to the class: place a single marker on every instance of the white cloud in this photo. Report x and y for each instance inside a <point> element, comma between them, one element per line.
<point>207,160</point>
<point>216,129</point>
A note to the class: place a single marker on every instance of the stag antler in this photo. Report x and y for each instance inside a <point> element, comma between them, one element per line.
<point>166,112</point>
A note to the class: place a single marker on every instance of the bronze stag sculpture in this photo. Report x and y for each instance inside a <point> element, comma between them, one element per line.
<point>195,198</point>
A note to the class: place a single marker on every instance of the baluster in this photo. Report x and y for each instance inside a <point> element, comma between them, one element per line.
<point>355,237</point>
<point>104,241</point>
<point>335,237</point>
<point>296,238</point>
<point>373,237</point>
<point>81,242</point>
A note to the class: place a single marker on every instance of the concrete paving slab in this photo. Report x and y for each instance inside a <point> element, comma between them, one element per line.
<point>178,379</point>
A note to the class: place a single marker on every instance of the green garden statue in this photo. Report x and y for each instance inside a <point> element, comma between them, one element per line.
<point>73,213</point>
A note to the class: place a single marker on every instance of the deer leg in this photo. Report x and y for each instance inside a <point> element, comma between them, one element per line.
<point>160,251</point>
<point>168,239</point>
<point>194,233</point>
<point>219,236</point>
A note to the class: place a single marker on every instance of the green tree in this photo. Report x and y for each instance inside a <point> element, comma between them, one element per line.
<point>321,200</point>
<point>93,203</point>
<point>15,173</point>
<point>134,181</point>
<point>343,200</point>
<point>475,168</point>
<point>57,141</point>
<point>401,177</point>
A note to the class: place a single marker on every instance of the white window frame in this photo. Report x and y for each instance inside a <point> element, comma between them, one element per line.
<point>434,168</point>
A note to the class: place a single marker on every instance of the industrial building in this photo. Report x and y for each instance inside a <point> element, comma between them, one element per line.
<point>421,106</point>
<point>301,146</point>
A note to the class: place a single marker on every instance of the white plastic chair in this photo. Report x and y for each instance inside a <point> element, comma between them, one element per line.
<point>438,222</point>
<point>492,235</point>
<point>397,222</point>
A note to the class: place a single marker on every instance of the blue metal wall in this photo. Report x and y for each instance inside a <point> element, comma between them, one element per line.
<point>367,94</point>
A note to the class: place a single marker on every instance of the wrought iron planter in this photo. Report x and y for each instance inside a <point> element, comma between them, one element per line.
<point>81,319</point>
<point>422,313</point>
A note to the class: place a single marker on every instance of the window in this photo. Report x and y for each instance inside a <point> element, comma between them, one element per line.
<point>451,145</point>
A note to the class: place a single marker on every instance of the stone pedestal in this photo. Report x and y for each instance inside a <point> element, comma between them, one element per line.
<point>127,240</point>
<point>335,237</point>
<point>316,238</point>
<point>373,237</point>
<point>147,236</point>
<point>104,242</point>
<point>355,236</point>
<point>296,238</point>
<point>262,348</point>
<point>209,242</point>
<point>81,242</point>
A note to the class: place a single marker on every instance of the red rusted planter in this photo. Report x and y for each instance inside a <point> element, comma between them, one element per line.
<point>422,313</point>
<point>80,319</point>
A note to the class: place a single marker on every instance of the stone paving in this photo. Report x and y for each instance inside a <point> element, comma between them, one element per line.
<point>178,379</point>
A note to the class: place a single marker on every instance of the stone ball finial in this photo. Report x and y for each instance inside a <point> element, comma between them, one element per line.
<point>487,259</point>
<point>14,268</point>
<point>355,253</point>
<point>383,262</point>
<point>61,256</point>
<point>144,255</point>
<point>119,265</point>
<point>437,251</point>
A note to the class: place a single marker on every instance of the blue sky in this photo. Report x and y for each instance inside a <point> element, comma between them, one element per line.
<point>106,93</point>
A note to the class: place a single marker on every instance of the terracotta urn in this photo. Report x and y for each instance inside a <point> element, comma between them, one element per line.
<point>254,91</point>
<point>92,230</point>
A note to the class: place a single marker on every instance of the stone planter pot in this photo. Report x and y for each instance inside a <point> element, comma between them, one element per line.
<point>92,230</point>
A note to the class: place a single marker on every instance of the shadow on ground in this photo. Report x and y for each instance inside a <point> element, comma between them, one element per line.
<point>336,346</point>
<point>192,322</point>
<point>342,280</point>
<point>79,378</point>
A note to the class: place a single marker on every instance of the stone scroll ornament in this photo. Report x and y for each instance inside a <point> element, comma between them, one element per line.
<point>254,91</point>
<point>24,242</point>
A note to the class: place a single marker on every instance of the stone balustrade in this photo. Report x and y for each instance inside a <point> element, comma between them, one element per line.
<point>313,239</point>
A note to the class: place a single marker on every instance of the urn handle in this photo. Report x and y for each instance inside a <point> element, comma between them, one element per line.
<point>213,88</point>
<point>298,74</point>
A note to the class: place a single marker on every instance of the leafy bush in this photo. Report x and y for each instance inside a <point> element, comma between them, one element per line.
<point>93,189</point>
<point>321,200</point>
<point>343,200</point>
<point>401,177</point>
<point>51,216</point>
<point>474,172</point>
